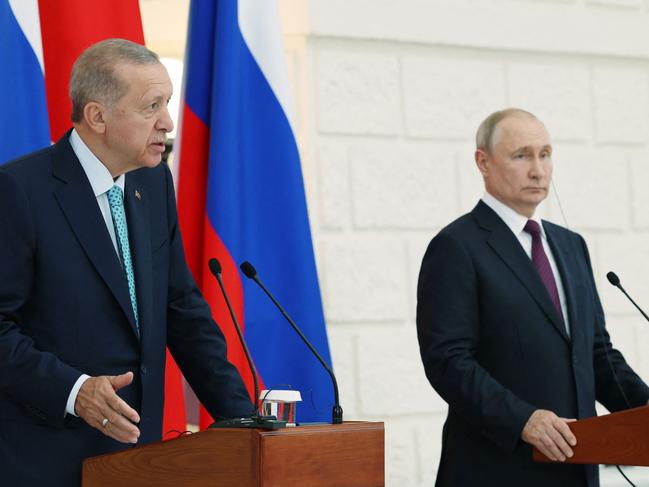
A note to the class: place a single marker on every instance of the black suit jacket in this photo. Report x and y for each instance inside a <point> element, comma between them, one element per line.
<point>65,310</point>
<point>495,349</point>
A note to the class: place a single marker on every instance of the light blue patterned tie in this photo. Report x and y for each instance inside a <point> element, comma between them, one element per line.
<point>116,202</point>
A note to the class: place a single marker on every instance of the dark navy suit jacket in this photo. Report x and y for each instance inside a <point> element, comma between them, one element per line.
<point>65,310</point>
<point>495,349</point>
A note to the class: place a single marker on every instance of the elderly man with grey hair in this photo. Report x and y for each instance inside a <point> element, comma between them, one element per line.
<point>511,329</point>
<point>94,284</point>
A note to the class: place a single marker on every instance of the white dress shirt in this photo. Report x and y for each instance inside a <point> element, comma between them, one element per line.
<point>516,223</point>
<point>101,182</point>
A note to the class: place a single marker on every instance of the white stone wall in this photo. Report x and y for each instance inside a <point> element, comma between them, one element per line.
<point>389,95</point>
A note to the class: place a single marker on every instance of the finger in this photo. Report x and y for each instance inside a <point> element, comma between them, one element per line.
<point>561,443</point>
<point>123,424</point>
<point>116,435</point>
<point>565,431</point>
<point>546,451</point>
<point>118,420</point>
<point>116,402</point>
<point>119,381</point>
<point>107,428</point>
<point>119,428</point>
<point>551,447</point>
<point>125,410</point>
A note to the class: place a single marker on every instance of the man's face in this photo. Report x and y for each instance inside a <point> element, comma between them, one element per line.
<point>518,169</point>
<point>136,126</point>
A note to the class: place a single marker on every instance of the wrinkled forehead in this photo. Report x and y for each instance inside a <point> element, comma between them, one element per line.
<point>143,76</point>
<point>521,130</point>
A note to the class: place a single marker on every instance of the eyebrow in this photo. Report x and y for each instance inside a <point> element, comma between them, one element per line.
<point>527,148</point>
<point>149,98</point>
<point>159,97</point>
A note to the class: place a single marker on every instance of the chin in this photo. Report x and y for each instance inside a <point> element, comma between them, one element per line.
<point>151,163</point>
<point>537,197</point>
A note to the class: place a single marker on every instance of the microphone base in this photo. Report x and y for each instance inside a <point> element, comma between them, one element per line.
<point>257,422</point>
<point>337,414</point>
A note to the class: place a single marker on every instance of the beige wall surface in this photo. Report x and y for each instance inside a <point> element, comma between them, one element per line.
<point>388,95</point>
<point>165,26</point>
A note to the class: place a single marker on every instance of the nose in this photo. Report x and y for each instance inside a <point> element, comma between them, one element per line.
<point>537,170</point>
<point>165,122</point>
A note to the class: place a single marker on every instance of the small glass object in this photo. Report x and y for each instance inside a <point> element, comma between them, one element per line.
<point>281,404</point>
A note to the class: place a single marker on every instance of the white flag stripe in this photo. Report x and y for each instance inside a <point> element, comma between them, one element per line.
<point>259,24</point>
<point>26,13</point>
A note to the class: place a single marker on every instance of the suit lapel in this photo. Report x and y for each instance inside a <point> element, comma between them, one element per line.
<point>137,215</point>
<point>79,205</point>
<point>505,244</point>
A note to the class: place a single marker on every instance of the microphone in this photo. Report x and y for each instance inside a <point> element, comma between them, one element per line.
<point>337,411</point>
<point>256,421</point>
<point>615,281</point>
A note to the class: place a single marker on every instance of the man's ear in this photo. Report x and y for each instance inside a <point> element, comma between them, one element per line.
<point>94,114</point>
<point>482,160</point>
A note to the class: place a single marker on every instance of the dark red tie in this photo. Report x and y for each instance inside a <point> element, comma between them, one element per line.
<point>542,264</point>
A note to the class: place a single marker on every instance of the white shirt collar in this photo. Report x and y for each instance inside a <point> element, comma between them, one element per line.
<point>98,174</point>
<point>515,221</point>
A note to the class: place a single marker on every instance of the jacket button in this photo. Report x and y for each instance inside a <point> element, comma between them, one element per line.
<point>143,370</point>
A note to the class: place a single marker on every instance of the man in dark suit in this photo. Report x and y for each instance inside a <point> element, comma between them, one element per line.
<point>94,284</point>
<point>510,326</point>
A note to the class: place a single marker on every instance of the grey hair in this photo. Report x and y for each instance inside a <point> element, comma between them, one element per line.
<point>485,134</point>
<point>93,74</point>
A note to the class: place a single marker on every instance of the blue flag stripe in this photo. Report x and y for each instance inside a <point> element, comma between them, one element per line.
<point>24,125</point>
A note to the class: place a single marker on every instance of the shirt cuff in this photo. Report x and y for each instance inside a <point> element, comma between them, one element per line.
<point>72,398</point>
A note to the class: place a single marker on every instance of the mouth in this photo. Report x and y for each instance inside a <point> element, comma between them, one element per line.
<point>160,146</point>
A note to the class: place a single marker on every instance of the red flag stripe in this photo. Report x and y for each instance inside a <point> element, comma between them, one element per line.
<point>67,28</point>
<point>201,244</point>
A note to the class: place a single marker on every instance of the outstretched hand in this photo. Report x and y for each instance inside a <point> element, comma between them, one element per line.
<point>97,401</point>
<point>550,434</point>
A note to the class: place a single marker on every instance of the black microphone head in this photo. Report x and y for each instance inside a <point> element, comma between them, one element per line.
<point>248,269</point>
<point>612,278</point>
<point>215,266</point>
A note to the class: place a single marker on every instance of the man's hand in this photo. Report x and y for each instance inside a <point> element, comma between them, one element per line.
<point>550,434</point>
<point>97,401</point>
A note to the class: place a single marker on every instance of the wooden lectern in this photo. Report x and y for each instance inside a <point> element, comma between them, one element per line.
<point>348,454</point>
<point>612,439</point>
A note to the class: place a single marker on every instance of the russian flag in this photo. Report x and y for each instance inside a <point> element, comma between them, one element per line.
<point>241,195</point>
